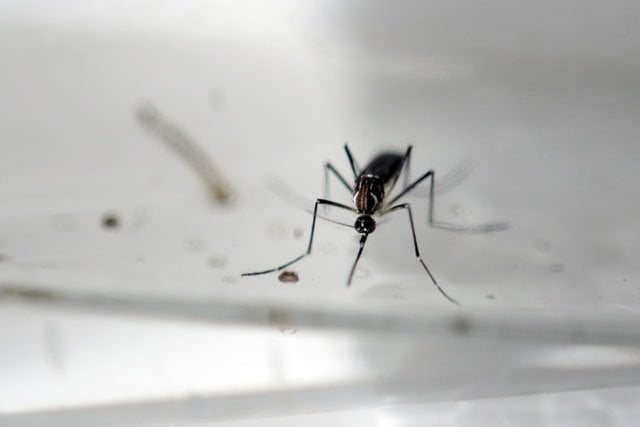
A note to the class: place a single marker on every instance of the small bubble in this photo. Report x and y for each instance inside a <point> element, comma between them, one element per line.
<point>229,279</point>
<point>490,296</point>
<point>288,277</point>
<point>288,331</point>
<point>361,273</point>
<point>542,245</point>
<point>557,268</point>
<point>456,210</point>
<point>140,218</point>
<point>327,248</point>
<point>276,231</point>
<point>217,261</point>
<point>140,259</point>
<point>194,244</point>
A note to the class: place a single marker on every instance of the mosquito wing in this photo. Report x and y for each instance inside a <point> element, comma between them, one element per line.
<point>286,193</point>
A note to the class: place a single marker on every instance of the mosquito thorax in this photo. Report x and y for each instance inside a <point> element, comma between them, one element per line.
<point>368,193</point>
<point>365,224</point>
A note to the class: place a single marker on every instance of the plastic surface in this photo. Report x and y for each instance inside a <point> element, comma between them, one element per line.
<point>120,290</point>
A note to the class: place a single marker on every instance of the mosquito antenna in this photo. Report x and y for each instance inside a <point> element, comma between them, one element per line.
<point>353,268</point>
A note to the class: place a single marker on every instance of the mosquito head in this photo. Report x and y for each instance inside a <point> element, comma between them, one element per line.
<point>365,224</point>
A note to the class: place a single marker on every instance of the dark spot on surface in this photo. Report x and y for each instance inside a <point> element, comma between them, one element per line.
<point>220,191</point>
<point>276,317</point>
<point>229,279</point>
<point>4,258</point>
<point>490,296</point>
<point>297,233</point>
<point>288,277</point>
<point>110,220</point>
<point>461,325</point>
<point>26,293</point>
<point>140,259</point>
<point>557,268</point>
<point>624,279</point>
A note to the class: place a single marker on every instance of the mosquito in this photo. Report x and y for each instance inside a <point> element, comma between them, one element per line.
<point>371,191</point>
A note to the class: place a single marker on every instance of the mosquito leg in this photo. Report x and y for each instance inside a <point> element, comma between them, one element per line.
<point>417,250</point>
<point>479,228</point>
<point>407,167</point>
<point>328,167</point>
<point>354,166</point>
<point>411,186</point>
<point>313,226</point>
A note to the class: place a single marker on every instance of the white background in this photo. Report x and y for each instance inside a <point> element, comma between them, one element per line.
<point>543,98</point>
